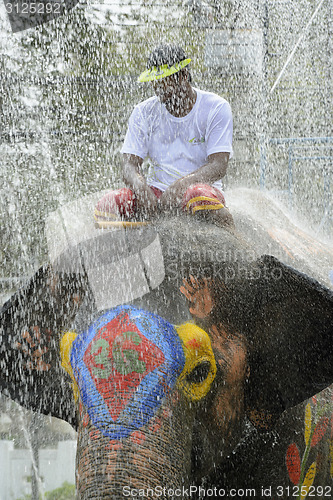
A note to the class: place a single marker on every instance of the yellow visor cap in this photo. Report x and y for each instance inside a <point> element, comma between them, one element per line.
<point>158,72</point>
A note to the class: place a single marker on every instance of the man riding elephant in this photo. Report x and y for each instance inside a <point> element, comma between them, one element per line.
<point>187,134</point>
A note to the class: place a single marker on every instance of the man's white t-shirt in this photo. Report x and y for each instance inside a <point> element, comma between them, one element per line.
<point>179,146</point>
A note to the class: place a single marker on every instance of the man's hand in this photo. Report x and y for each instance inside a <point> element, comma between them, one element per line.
<point>146,199</point>
<point>173,195</point>
<point>199,294</point>
<point>212,171</point>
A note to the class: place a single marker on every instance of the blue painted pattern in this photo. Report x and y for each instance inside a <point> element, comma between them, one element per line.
<point>124,365</point>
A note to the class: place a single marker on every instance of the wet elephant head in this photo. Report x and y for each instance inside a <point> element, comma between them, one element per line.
<point>146,391</point>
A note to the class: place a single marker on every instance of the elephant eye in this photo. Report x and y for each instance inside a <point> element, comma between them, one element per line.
<point>199,373</point>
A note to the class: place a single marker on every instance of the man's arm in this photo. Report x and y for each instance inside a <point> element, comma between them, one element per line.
<point>212,171</point>
<point>133,178</point>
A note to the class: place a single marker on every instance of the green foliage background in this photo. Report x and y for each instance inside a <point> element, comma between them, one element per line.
<point>65,492</point>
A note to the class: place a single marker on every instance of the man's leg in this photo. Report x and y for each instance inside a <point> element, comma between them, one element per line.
<point>208,203</point>
<point>120,204</point>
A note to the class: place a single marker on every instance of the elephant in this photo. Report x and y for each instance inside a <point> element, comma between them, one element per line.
<point>190,363</point>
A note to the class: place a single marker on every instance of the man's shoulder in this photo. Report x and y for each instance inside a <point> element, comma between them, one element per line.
<point>147,106</point>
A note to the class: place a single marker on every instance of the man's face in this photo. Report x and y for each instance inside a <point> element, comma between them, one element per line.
<point>166,89</point>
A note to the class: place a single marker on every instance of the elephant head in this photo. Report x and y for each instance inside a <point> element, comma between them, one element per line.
<point>184,336</point>
<point>142,386</point>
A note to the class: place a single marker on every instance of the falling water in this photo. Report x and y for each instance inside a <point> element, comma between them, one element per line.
<point>32,446</point>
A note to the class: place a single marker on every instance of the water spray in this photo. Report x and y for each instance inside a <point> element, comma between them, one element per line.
<point>291,55</point>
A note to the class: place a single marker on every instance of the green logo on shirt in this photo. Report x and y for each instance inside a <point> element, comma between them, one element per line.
<point>197,141</point>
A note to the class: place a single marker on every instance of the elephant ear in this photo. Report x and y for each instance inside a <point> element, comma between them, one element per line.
<point>289,322</point>
<point>30,325</point>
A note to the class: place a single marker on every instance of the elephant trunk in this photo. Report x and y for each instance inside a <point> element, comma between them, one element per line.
<point>157,456</point>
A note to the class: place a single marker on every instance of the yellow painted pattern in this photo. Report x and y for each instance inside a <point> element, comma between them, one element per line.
<point>308,481</point>
<point>307,423</point>
<point>65,353</point>
<point>197,349</point>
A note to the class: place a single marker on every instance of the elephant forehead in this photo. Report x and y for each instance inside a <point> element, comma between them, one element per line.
<point>124,365</point>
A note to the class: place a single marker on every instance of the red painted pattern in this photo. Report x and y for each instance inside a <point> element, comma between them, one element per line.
<point>85,420</point>
<point>114,445</point>
<point>95,435</point>
<point>293,461</point>
<point>194,344</point>
<point>156,424</point>
<point>319,431</point>
<point>118,358</point>
<point>138,437</point>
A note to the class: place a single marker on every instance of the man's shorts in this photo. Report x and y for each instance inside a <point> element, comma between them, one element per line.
<point>121,203</point>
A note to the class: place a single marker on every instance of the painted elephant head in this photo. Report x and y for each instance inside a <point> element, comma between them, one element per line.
<point>143,386</point>
<point>183,338</point>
